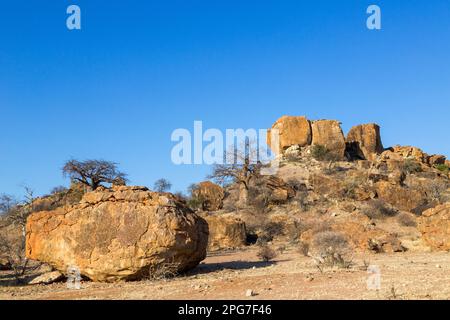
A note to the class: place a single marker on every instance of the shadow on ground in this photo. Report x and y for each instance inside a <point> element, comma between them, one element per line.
<point>230,265</point>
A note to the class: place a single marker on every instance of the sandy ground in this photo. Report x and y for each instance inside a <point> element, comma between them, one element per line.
<point>228,275</point>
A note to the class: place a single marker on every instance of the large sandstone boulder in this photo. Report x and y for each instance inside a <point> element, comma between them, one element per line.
<point>292,131</point>
<point>434,224</point>
<point>118,234</point>
<point>365,141</point>
<point>225,231</point>
<point>402,198</point>
<point>210,194</point>
<point>328,133</point>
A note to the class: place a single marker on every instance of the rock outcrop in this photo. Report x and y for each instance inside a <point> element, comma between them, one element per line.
<point>118,234</point>
<point>408,152</point>
<point>280,191</point>
<point>292,131</point>
<point>434,224</point>
<point>361,234</point>
<point>400,197</point>
<point>226,231</point>
<point>364,141</point>
<point>328,133</point>
<point>436,159</point>
<point>210,194</point>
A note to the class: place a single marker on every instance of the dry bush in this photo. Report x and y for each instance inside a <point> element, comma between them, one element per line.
<point>436,190</point>
<point>266,254</point>
<point>267,231</point>
<point>320,153</point>
<point>411,166</point>
<point>303,248</point>
<point>332,249</point>
<point>378,209</point>
<point>163,271</point>
<point>406,220</point>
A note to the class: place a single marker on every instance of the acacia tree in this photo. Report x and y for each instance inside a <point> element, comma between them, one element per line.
<point>93,173</point>
<point>162,185</point>
<point>241,165</point>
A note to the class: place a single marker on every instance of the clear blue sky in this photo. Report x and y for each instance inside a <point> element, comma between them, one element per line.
<point>140,69</point>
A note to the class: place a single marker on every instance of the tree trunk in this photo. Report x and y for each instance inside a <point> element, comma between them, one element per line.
<point>243,194</point>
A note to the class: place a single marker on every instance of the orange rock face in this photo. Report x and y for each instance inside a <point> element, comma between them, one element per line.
<point>366,140</point>
<point>292,131</point>
<point>434,224</point>
<point>411,152</point>
<point>328,133</point>
<point>400,197</point>
<point>118,234</point>
<point>225,231</point>
<point>211,194</point>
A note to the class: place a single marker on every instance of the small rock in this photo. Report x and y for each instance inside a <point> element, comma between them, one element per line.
<point>438,266</point>
<point>249,293</point>
<point>47,278</point>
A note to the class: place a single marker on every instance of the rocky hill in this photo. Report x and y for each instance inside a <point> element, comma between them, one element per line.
<point>333,196</point>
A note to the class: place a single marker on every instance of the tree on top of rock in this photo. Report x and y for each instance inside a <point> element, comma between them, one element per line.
<point>93,173</point>
<point>162,185</point>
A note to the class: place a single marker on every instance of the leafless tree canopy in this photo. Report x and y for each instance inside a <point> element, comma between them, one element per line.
<point>162,185</point>
<point>93,172</point>
<point>241,165</point>
<point>12,246</point>
<point>7,203</point>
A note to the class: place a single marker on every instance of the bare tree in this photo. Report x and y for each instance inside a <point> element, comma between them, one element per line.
<point>241,165</point>
<point>12,243</point>
<point>93,173</point>
<point>7,202</point>
<point>162,185</point>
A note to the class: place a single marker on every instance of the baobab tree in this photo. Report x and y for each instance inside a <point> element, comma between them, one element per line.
<point>241,165</point>
<point>93,173</point>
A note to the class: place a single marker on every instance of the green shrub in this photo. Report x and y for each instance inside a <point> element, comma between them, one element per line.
<point>442,167</point>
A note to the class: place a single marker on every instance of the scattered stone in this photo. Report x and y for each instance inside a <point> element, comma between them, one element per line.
<point>47,278</point>
<point>250,293</point>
